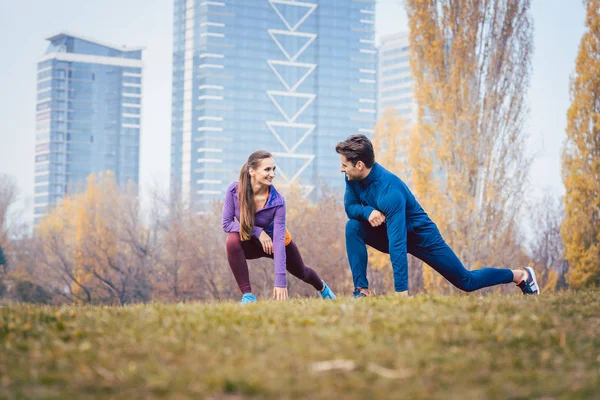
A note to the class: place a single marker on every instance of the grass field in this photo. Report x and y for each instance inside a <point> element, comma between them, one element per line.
<point>468,347</point>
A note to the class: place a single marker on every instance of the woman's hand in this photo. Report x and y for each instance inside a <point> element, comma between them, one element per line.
<point>280,293</point>
<point>266,242</point>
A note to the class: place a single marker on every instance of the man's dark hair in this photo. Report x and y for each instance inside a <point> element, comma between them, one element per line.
<point>357,148</point>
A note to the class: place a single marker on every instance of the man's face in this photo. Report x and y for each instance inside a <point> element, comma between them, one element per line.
<point>353,172</point>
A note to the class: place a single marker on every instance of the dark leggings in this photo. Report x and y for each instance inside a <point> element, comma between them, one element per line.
<point>437,254</point>
<point>239,251</point>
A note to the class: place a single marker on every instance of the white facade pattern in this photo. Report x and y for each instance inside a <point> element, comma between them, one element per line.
<point>304,100</point>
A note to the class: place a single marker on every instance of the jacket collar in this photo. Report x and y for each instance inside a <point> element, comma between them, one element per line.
<point>372,177</point>
<point>275,198</point>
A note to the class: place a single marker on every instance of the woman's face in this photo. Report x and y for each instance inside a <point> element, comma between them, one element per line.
<point>264,173</point>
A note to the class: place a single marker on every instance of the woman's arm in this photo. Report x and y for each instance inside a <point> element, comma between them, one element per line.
<point>279,247</point>
<point>228,220</point>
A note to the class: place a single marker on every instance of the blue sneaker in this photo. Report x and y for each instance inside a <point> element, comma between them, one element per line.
<point>327,293</point>
<point>529,285</point>
<point>359,294</point>
<point>248,298</point>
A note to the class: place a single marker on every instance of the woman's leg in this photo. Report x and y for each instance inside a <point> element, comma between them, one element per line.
<point>296,267</point>
<point>237,254</point>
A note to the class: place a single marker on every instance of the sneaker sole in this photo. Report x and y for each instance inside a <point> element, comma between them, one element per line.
<point>534,284</point>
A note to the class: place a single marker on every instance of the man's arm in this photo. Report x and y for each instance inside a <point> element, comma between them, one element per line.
<point>393,206</point>
<point>355,210</point>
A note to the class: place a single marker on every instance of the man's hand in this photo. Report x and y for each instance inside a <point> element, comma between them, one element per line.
<point>280,293</point>
<point>376,218</point>
<point>266,242</point>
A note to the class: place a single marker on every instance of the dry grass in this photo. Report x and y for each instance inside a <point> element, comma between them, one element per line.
<point>466,347</point>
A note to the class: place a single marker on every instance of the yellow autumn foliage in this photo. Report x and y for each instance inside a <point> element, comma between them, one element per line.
<point>581,161</point>
<point>471,63</point>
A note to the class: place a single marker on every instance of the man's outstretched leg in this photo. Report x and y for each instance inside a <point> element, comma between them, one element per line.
<point>440,257</point>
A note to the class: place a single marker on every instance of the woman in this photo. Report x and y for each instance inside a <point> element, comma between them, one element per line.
<point>260,230</point>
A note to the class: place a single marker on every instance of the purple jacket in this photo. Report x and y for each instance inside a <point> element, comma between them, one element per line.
<point>270,218</point>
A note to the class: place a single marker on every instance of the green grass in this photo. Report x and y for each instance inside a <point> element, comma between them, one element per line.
<point>466,347</point>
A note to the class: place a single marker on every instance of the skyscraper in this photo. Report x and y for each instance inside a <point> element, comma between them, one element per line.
<point>89,99</point>
<point>395,79</point>
<point>290,77</point>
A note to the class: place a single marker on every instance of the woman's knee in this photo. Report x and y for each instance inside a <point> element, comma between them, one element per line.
<point>233,241</point>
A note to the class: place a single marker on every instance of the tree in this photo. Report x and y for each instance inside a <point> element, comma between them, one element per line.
<point>57,243</point>
<point>8,195</point>
<point>317,228</point>
<point>95,247</point>
<point>189,261</point>
<point>546,247</point>
<point>471,63</point>
<point>26,291</point>
<point>2,259</point>
<point>3,273</point>
<point>581,160</point>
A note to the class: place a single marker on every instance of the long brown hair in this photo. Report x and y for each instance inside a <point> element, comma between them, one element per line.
<point>246,195</point>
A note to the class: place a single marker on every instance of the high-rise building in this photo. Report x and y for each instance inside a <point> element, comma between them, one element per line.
<point>89,99</point>
<point>290,77</point>
<point>395,79</point>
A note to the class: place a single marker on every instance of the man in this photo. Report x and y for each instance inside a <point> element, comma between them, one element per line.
<point>385,215</point>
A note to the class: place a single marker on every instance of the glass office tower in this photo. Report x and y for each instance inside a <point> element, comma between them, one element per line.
<point>395,78</point>
<point>290,77</point>
<point>89,99</point>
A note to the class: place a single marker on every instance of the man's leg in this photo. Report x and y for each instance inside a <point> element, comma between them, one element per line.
<point>440,257</point>
<point>359,234</point>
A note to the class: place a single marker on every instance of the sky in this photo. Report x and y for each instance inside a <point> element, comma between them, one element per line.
<point>25,24</point>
